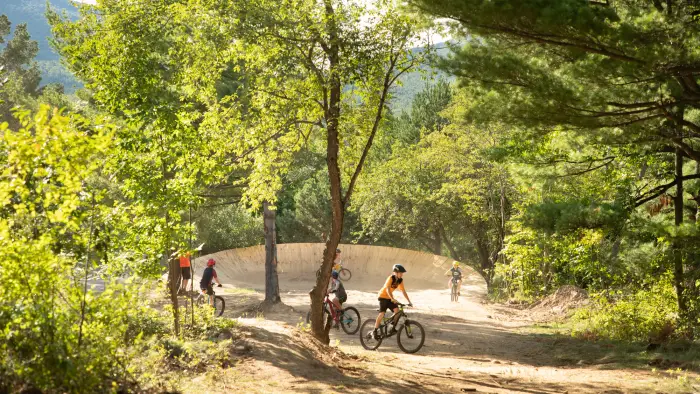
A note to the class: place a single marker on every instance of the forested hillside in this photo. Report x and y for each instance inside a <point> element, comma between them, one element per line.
<point>33,13</point>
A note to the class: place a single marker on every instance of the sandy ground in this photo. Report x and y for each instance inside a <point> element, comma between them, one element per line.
<point>470,347</point>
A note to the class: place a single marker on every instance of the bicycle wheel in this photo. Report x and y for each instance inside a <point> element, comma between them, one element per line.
<point>411,337</point>
<point>350,320</point>
<point>366,336</point>
<point>345,274</point>
<point>219,305</point>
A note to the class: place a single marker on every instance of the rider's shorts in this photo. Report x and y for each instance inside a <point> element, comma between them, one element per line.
<point>385,303</point>
<point>209,290</point>
<point>186,273</point>
<point>340,299</point>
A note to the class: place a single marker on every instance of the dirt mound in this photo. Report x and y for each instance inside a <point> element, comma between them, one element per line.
<point>558,305</point>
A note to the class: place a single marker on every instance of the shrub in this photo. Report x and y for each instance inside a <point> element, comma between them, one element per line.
<point>646,315</point>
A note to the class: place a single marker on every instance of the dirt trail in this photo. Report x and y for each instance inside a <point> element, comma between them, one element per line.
<point>470,346</point>
<point>466,349</point>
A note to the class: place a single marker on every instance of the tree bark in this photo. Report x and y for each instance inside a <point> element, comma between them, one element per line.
<point>272,286</point>
<point>173,284</point>
<point>332,115</point>
<point>677,244</point>
<point>437,242</point>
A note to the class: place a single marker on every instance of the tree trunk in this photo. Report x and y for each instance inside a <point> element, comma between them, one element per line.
<point>173,263</point>
<point>173,284</point>
<point>437,242</point>
<point>677,243</point>
<point>272,287</point>
<point>485,263</point>
<point>332,115</point>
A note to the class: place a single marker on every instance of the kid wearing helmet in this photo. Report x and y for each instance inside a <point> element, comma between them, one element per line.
<point>337,262</point>
<point>336,288</point>
<point>386,296</point>
<point>454,273</point>
<point>208,276</point>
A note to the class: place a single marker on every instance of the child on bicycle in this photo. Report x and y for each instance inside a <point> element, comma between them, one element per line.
<point>336,288</point>
<point>387,300</point>
<point>455,273</point>
<point>337,262</point>
<point>208,276</point>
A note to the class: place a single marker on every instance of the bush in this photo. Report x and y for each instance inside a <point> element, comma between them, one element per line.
<point>648,315</point>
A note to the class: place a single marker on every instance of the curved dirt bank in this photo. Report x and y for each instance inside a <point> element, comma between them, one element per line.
<point>370,265</point>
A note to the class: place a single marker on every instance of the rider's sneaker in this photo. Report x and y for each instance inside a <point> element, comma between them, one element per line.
<point>336,325</point>
<point>393,331</point>
<point>376,335</point>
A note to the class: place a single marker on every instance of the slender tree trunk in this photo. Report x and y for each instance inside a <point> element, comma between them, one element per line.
<point>272,287</point>
<point>173,276</point>
<point>173,263</point>
<point>677,244</point>
<point>437,242</point>
<point>485,263</point>
<point>319,328</point>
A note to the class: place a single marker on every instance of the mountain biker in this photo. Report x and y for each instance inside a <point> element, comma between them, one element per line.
<point>387,300</point>
<point>336,288</point>
<point>185,271</point>
<point>208,276</point>
<point>337,262</point>
<point>455,273</point>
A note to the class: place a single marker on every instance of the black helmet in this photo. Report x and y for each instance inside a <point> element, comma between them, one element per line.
<point>334,274</point>
<point>399,268</point>
<point>337,250</point>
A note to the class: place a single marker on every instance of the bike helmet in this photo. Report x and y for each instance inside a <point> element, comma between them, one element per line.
<point>334,274</point>
<point>337,250</point>
<point>399,268</point>
<point>455,264</point>
<point>211,263</point>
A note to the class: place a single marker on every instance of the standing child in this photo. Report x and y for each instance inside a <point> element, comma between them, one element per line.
<point>185,271</point>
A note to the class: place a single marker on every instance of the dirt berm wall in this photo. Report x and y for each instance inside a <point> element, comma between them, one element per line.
<point>298,262</point>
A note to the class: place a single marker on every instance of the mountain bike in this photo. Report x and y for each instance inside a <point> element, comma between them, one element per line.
<point>343,273</point>
<point>410,335</point>
<point>348,318</point>
<point>455,290</point>
<point>219,303</point>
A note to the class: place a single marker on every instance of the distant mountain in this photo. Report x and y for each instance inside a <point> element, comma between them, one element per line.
<point>32,12</point>
<point>413,82</point>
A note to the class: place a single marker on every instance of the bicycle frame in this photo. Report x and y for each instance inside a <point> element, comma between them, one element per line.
<point>387,320</point>
<point>331,307</point>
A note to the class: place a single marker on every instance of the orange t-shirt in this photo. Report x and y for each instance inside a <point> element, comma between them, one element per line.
<point>384,292</point>
<point>185,260</point>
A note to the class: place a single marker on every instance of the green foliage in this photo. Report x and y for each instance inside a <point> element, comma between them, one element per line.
<point>53,335</point>
<point>538,263</point>
<point>649,314</point>
<point>227,227</point>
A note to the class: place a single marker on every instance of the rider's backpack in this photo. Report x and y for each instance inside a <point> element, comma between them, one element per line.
<point>341,291</point>
<point>395,282</point>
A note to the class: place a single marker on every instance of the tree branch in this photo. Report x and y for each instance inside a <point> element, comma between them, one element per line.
<point>377,120</point>
<point>659,190</point>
